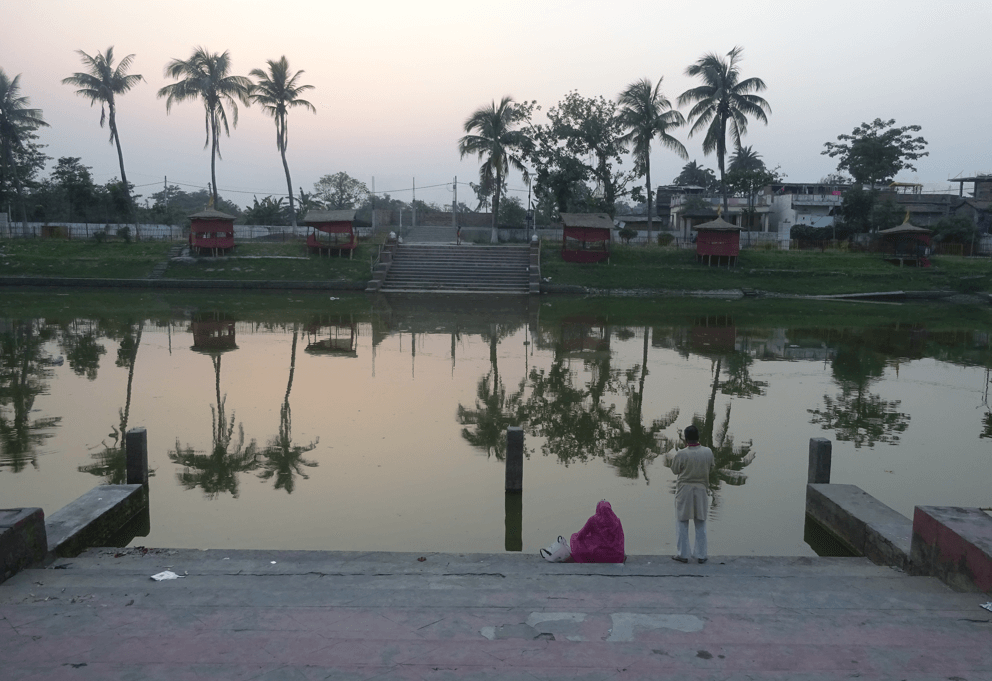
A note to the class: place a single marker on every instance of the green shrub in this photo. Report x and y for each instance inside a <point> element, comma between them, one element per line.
<point>124,233</point>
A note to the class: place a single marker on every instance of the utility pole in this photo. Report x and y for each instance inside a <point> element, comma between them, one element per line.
<point>454,203</point>
<point>373,204</point>
<point>413,205</point>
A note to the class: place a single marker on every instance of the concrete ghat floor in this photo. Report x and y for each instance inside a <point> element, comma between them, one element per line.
<point>333,615</point>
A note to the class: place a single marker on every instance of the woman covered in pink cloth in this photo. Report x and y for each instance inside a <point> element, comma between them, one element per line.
<point>601,539</point>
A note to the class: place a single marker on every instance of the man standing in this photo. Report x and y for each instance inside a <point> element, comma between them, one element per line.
<point>692,465</point>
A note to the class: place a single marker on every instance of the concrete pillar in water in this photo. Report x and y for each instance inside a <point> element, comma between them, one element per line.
<point>514,537</point>
<point>514,459</point>
<point>136,444</point>
<point>819,460</point>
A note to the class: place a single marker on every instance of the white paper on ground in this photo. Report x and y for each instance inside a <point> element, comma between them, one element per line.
<point>168,574</point>
<point>987,606</point>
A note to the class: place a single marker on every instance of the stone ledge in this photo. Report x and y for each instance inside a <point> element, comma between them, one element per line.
<point>955,545</point>
<point>23,540</point>
<point>94,518</point>
<point>861,522</point>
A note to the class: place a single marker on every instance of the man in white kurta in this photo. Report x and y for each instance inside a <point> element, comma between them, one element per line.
<point>692,465</point>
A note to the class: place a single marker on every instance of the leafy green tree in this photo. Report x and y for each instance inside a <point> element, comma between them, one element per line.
<point>75,186</point>
<point>340,191</point>
<point>277,92</point>
<point>17,125</point>
<point>207,77</point>
<point>582,140</point>
<point>695,175</point>
<point>748,182</point>
<point>491,135</point>
<point>955,230</point>
<point>102,82</point>
<point>875,152</point>
<point>723,99</point>
<point>646,114</point>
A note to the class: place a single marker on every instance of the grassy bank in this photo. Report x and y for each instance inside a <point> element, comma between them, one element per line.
<point>116,259</point>
<point>80,258</point>
<point>796,272</point>
<point>630,267</point>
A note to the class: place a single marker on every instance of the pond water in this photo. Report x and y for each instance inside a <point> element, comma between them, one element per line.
<point>304,421</point>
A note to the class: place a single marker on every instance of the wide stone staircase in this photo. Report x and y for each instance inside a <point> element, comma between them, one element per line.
<point>466,268</point>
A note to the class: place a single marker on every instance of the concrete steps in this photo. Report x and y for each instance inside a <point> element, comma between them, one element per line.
<point>459,269</point>
<point>301,615</point>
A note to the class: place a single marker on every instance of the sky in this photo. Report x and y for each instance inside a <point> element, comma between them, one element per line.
<point>395,81</point>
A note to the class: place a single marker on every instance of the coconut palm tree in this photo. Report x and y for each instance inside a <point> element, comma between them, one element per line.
<point>277,91</point>
<point>101,82</point>
<point>647,114</point>
<point>208,77</point>
<point>16,122</point>
<point>746,159</point>
<point>723,99</point>
<point>491,137</point>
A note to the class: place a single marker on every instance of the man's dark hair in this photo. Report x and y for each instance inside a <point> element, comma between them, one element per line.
<point>691,434</point>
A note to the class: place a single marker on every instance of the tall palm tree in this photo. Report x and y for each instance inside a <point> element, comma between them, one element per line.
<point>277,91</point>
<point>723,99</point>
<point>101,83</point>
<point>648,114</point>
<point>16,122</point>
<point>208,77</point>
<point>490,136</point>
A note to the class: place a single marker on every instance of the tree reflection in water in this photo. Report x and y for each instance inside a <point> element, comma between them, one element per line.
<point>111,460</point>
<point>282,459</point>
<point>730,459</point>
<point>855,414</point>
<point>24,370</point>
<point>217,471</point>
<point>495,409</point>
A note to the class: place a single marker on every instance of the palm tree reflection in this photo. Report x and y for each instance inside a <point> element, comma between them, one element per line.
<point>282,459</point>
<point>216,472</point>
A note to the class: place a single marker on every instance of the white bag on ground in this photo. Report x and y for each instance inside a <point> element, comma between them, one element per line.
<point>557,552</point>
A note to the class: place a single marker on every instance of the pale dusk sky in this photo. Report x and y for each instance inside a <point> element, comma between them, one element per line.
<point>395,81</point>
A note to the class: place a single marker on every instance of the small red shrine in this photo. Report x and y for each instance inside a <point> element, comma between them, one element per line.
<point>718,239</point>
<point>332,230</point>
<point>906,244</point>
<point>585,237</point>
<point>212,231</point>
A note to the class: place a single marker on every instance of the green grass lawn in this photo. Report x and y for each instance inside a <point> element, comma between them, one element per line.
<point>118,260</point>
<point>797,272</point>
<point>80,258</point>
<point>249,263</point>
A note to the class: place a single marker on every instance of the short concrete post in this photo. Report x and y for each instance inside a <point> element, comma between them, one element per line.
<point>514,459</point>
<point>819,460</point>
<point>136,443</point>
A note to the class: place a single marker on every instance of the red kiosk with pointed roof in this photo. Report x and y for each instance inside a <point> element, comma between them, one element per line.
<point>585,237</point>
<point>718,239</point>
<point>332,230</point>
<point>211,230</point>
<point>906,244</point>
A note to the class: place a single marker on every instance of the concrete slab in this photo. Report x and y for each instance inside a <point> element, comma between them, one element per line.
<point>318,615</point>
<point>861,522</point>
<point>94,518</point>
<point>22,539</point>
<point>954,544</point>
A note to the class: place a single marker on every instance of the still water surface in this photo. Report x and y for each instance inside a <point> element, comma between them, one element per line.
<point>298,422</point>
